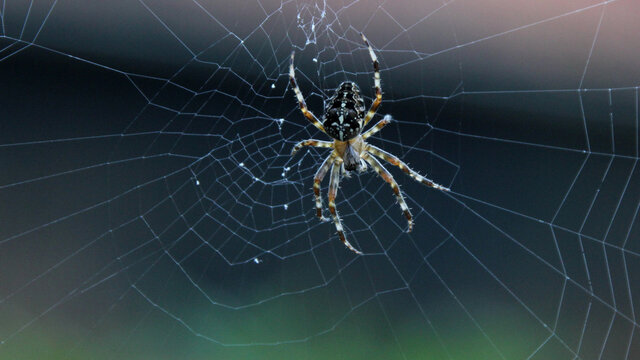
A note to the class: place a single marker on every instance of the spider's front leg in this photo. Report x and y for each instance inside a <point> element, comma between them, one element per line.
<point>334,180</point>
<point>317,180</point>
<point>393,160</point>
<point>311,142</point>
<point>384,174</point>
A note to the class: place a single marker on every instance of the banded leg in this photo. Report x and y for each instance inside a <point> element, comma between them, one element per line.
<point>303,105</point>
<point>377,127</point>
<point>317,179</point>
<point>393,160</point>
<point>386,175</point>
<point>333,190</point>
<point>311,142</point>
<point>376,79</point>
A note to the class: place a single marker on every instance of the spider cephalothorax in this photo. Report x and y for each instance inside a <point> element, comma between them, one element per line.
<point>343,120</point>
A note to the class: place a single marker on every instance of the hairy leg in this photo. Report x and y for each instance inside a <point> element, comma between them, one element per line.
<point>393,160</point>
<point>333,190</point>
<point>376,79</point>
<point>317,179</point>
<point>377,166</point>
<point>377,127</point>
<point>311,142</point>
<point>303,105</point>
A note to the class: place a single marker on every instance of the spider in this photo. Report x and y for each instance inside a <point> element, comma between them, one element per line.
<point>344,120</point>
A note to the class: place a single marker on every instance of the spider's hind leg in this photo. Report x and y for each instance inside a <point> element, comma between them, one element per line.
<point>303,105</point>
<point>377,127</point>
<point>376,80</point>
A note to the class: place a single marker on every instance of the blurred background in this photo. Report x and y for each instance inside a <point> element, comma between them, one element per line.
<point>150,208</point>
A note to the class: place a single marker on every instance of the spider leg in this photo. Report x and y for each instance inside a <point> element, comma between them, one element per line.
<point>333,190</point>
<point>303,106</point>
<point>386,175</point>
<point>376,78</point>
<point>377,127</point>
<point>317,179</point>
<point>311,142</point>
<point>393,160</point>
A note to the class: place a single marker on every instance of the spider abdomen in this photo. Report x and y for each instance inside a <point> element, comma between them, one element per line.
<point>344,112</point>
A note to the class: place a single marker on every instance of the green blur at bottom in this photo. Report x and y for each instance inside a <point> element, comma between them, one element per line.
<point>366,333</point>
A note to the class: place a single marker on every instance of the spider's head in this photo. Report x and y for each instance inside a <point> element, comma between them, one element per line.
<point>344,112</point>
<point>350,152</point>
<point>351,159</point>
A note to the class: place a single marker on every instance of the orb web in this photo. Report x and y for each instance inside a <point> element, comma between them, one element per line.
<point>151,207</point>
